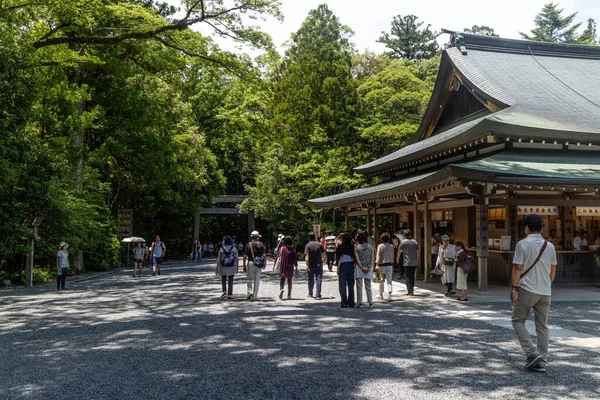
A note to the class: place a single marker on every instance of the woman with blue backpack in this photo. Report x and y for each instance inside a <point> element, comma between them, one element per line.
<point>227,263</point>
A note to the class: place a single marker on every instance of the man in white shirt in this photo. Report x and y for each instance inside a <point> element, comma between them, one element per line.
<point>534,269</point>
<point>580,242</point>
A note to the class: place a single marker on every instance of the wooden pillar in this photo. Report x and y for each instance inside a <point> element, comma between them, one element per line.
<point>427,242</point>
<point>369,224</point>
<point>482,244</point>
<point>394,222</point>
<point>417,235</point>
<point>567,226</point>
<point>513,225</point>
<point>197,226</point>
<point>347,219</point>
<point>375,224</point>
<point>29,274</point>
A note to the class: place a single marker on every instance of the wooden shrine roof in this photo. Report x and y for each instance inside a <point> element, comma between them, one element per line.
<point>538,91</point>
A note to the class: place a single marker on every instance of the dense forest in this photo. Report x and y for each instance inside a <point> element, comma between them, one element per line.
<point>131,104</point>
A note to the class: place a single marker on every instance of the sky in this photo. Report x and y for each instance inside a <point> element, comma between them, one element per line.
<point>369,18</point>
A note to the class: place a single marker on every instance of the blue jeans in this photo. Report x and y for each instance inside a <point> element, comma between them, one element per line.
<point>61,278</point>
<point>315,272</point>
<point>198,257</point>
<point>346,283</point>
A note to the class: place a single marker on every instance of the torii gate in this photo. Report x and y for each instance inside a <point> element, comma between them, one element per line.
<point>233,199</point>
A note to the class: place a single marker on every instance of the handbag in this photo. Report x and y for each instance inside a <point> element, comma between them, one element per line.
<point>258,261</point>
<point>378,278</point>
<point>468,265</point>
<point>278,261</point>
<point>448,262</point>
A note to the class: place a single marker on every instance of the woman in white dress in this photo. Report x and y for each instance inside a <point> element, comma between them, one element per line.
<point>363,273</point>
<point>446,262</point>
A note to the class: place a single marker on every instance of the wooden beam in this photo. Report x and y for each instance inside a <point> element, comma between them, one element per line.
<point>229,198</point>
<point>592,202</point>
<point>220,211</point>
<point>447,191</point>
<point>447,204</point>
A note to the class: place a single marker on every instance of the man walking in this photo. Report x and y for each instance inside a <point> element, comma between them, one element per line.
<point>408,257</point>
<point>158,251</point>
<point>330,250</point>
<point>314,264</point>
<point>255,260</point>
<point>534,269</point>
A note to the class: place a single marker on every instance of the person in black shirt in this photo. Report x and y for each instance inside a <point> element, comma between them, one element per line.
<point>313,255</point>
<point>346,260</point>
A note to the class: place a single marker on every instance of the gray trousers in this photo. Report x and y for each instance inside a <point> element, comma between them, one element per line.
<point>541,306</point>
<point>387,271</point>
<point>359,290</point>
<point>253,279</point>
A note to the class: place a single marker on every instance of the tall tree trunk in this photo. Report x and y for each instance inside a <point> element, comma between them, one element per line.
<point>77,140</point>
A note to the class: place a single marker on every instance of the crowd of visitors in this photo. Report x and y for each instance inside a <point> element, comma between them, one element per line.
<point>359,263</point>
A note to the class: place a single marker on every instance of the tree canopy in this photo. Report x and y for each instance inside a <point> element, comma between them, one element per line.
<point>407,40</point>
<point>132,104</point>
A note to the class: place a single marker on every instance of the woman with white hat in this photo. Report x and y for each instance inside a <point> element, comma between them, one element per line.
<point>446,262</point>
<point>62,266</point>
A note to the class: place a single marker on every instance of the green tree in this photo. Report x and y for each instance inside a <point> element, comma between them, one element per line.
<point>368,64</point>
<point>481,30</point>
<point>392,103</point>
<point>589,35</point>
<point>407,40</point>
<point>100,117</point>
<point>314,113</point>
<point>552,26</point>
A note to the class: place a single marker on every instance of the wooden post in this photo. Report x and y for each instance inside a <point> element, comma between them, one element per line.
<point>482,244</point>
<point>513,225</point>
<point>29,276</point>
<point>567,227</point>
<point>417,234</point>
<point>197,226</point>
<point>427,242</point>
<point>369,225</point>
<point>347,218</point>
<point>375,224</point>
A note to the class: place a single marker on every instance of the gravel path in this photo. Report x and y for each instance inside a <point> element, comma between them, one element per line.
<point>170,337</point>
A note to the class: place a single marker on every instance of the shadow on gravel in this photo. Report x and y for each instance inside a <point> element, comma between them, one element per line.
<point>171,337</point>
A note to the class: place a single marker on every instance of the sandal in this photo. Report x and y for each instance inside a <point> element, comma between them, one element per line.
<point>223,296</point>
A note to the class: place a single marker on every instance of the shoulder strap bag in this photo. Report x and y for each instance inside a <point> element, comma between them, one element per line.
<point>536,260</point>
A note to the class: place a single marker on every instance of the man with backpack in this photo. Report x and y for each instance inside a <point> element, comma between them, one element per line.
<point>255,260</point>
<point>227,263</point>
<point>158,251</point>
<point>534,269</point>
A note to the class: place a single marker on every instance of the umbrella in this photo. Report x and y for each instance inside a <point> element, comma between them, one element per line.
<point>133,239</point>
